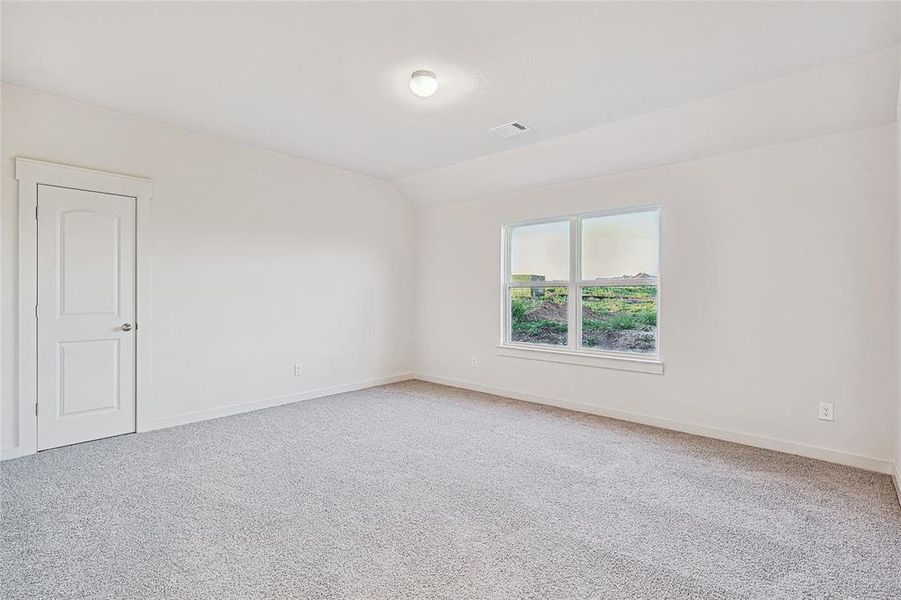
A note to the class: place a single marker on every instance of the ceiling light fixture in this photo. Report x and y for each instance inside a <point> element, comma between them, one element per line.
<point>423,83</point>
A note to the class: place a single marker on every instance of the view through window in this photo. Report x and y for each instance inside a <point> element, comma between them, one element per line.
<point>586,282</point>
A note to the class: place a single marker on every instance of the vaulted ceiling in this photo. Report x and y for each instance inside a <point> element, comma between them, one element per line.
<point>328,81</point>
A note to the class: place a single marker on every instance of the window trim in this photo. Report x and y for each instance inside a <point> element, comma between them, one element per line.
<point>619,362</point>
<point>573,352</point>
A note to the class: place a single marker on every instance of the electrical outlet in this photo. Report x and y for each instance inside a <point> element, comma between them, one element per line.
<point>298,369</point>
<point>827,412</point>
<point>475,361</point>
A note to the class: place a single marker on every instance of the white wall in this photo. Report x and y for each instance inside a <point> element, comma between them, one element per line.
<point>897,472</point>
<point>259,260</point>
<point>774,264</point>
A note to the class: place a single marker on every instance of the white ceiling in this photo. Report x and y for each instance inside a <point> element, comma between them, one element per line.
<point>852,94</point>
<point>328,81</point>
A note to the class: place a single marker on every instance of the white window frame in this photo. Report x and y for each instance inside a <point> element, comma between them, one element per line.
<point>573,352</point>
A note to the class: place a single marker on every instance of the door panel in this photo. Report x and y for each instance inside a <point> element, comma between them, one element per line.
<point>86,292</point>
<point>89,281</point>
<point>89,372</point>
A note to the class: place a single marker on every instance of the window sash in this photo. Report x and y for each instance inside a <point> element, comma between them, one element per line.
<point>574,285</point>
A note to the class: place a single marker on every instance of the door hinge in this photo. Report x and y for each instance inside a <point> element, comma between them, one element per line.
<point>35,212</point>
<point>35,409</point>
<point>35,311</point>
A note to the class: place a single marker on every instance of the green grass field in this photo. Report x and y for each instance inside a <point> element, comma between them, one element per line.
<point>622,319</point>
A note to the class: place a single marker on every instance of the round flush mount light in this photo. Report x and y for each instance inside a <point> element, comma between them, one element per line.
<point>423,83</point>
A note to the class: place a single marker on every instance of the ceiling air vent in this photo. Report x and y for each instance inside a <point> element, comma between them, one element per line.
<point>508,130</point>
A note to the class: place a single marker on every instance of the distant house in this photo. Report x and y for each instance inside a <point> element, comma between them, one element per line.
<point>527,292</point>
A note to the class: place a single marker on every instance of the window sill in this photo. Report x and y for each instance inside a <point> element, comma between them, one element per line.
<point>586,359</point>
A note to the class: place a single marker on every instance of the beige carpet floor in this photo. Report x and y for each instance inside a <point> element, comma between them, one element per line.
<point>420,491</point>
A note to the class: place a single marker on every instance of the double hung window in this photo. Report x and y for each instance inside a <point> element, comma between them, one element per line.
<point>584,283</point>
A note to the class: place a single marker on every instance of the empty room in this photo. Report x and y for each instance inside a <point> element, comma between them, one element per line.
<point>463,300</point>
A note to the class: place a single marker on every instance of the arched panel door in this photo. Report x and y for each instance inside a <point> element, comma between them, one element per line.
<point>85,315</point>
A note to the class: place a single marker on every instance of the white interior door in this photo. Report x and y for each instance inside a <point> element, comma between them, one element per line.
<point>85,315</point>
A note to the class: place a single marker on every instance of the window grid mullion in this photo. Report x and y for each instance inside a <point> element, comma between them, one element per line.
<point>540,283</point>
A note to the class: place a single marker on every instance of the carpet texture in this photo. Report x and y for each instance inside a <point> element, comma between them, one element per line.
<point>415,490</point>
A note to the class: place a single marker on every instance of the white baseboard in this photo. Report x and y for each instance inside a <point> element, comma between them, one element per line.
<point>234,409</point>
<point>13,452</point>
<point>835,456</point>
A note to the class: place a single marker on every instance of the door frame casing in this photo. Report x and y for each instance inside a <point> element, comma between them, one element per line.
<point>31,173</point>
